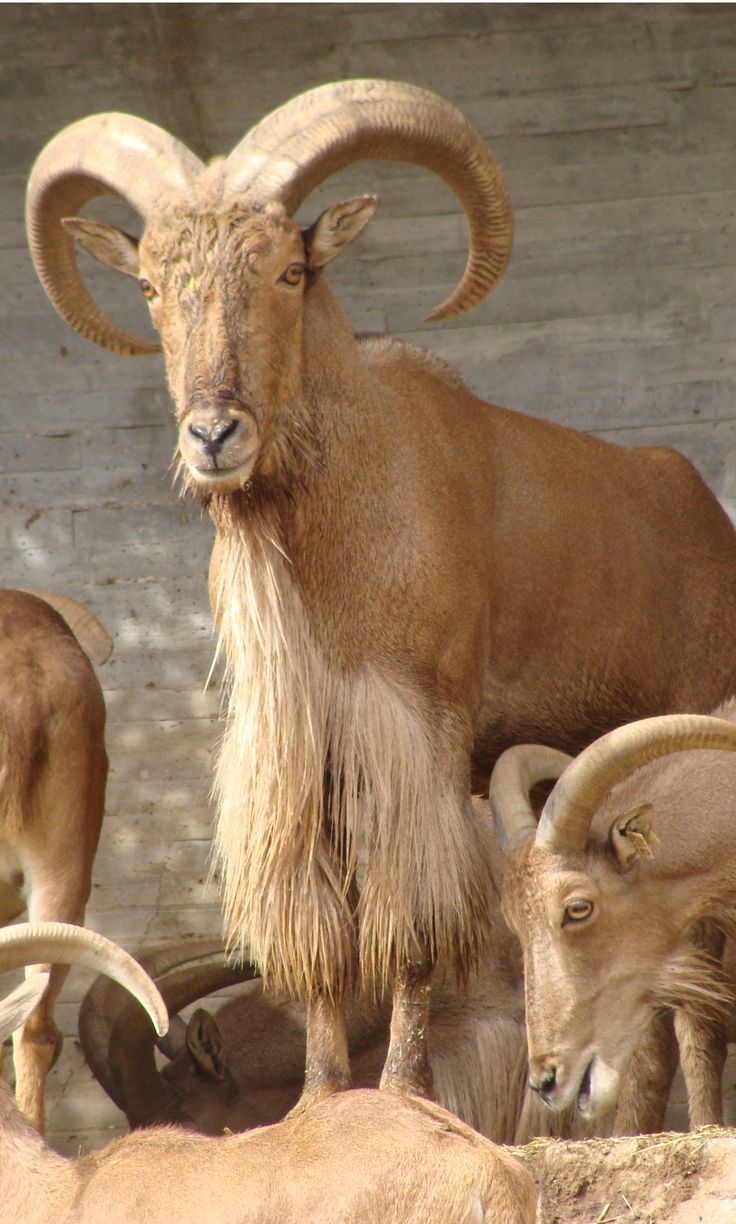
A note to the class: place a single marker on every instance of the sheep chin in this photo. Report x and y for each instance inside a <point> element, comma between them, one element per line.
<point>599,1089</point>
<point>220,480</point>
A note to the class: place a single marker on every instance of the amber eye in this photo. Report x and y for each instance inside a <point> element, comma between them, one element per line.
<point>293,274</point>
<point>577,911</point>
<point>147,288</point>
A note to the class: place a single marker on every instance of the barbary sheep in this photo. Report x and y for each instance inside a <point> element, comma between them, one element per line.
<point>622,897</point>
<point>53,769</point>
<point>362,1156</point>
<point>243,1066</point>
<point>406,580</point>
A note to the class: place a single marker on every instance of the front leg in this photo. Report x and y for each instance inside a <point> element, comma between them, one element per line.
<point>327,1062</point>
<point>703,1043</point>
<point>646,1084</point>
<point>407,1068</point>
<point>703,1047</point>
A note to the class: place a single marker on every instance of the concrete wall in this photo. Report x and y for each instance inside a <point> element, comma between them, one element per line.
<point>614,126</point>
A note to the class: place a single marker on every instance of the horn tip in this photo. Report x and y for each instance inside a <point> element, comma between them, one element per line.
<point>440,313</point>
<point>160,1024</point>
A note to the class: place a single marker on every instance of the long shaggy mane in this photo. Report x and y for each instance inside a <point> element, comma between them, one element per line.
<point>338,837</point>
<point>693,980</point>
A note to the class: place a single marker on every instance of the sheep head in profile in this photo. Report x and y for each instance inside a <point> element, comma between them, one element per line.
<point>622,897</point>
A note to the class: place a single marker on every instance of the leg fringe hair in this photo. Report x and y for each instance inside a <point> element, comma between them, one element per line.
<point>289,850</point>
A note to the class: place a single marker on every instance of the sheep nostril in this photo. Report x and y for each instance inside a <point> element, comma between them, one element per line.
<point>544,1083</point>
<point>213,435</point>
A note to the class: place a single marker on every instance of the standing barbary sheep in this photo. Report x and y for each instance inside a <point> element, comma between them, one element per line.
<point>360,1156</point>
<point>406,580</point>
<point>244,1066</point>
<point>622,898</point>
<point>52,790</point>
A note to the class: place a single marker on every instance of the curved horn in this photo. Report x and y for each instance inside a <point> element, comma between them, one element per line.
<point>87,629</point>
<point>61,943</point>
<point>565,822</point>
<point>16,1007</point>
<point>120,1049</point>
<point>107,154</point>
<point>295,148</point>
<point>516,771</point>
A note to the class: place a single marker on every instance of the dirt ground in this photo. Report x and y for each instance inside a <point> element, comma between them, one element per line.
<point>653,1179</point>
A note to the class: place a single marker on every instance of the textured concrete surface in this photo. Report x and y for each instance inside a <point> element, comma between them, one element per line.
<point>614,126</point>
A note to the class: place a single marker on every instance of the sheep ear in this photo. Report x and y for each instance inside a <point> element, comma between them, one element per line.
<point>336,228</point>
<point>204,1044</point>
<point>109,245</point>
<point>631,835</point>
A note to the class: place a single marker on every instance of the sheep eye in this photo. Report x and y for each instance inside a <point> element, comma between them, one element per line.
<point>147,288</point>
<point>577,911</point>
<point>293,274</point>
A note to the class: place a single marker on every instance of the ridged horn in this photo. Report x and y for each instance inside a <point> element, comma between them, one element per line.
<point>108,154</point>
<point>120,1048</point>
<point>87,629</point>
<point>565,821</point>
<point>298,146</point>
<point>62,943</point>
<point>516,771</point>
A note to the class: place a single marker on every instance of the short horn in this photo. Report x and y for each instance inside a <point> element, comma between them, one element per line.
<point>37,943</point>
<point>298,146</point>
<point>565,821</point>
<point>516,771</point>
<point>108,154</point>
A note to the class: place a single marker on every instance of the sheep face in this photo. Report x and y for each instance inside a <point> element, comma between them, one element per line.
<point>593,969</point>
<point>225,293</point>
<point>225,288</point>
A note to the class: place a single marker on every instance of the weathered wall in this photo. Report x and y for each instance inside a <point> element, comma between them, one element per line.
<point>614,125</point>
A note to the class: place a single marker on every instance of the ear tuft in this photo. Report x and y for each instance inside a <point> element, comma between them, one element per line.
<point>336,228</point>
<point>631,835</point>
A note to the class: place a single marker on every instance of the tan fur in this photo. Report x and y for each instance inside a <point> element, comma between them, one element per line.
<point>361,1156</point>
<point>407,580</point>
<point>21,755</point>
<point>695,982</point>
<point>657,934</point>
<point>477,1045</point>
<point>476,1039</point>
<point>52,787</point>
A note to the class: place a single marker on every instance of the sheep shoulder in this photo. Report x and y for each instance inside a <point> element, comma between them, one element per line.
<point>392,358</point>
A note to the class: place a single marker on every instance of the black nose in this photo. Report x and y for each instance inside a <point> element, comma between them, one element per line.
<point>545,1082</point>
<point>213,434</point>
